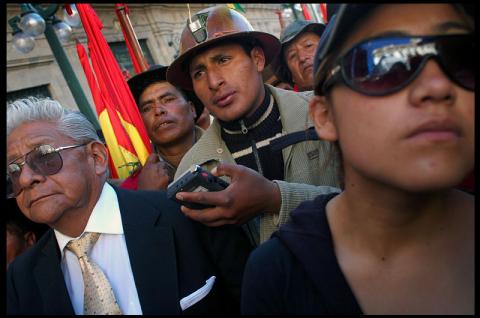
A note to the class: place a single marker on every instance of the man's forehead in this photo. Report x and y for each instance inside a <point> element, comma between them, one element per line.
<point>31,134</point>
<point>161,87</point>
<point>304,36</point>
<point>157,85</point>
<point>213,50</point>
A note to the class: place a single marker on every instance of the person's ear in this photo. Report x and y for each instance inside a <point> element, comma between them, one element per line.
<point>98,152</point>
<point>321,114</point>
<point>258,57</point>
<point>30,238</point>
<point>193,111</point>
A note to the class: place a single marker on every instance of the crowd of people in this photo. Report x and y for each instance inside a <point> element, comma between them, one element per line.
<point>345,177</point>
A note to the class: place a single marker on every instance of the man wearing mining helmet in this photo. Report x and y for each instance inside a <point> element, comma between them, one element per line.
<point>258,137</point>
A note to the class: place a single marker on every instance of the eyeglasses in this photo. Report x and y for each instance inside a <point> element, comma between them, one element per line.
<point>44,160</point>
<point>383,66</point>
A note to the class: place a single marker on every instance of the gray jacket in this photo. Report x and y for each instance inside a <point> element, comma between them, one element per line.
<point>306,165</point>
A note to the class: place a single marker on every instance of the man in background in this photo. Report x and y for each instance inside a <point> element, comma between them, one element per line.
<point>108,250</point>
<point>222,59</point>
<point>170,116</point>
<point>294,63</point>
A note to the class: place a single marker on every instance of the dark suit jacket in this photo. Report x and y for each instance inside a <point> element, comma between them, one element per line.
<point>170,255</point>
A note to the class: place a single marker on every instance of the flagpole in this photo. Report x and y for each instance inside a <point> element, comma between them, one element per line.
<point>130,36</point>
<point>280,19</point>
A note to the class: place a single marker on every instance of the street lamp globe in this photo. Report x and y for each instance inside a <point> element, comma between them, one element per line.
<point>24,43</point>
<point>64,31</point>
<point>74,19</point>
<point>32,24</point>
<point>287,13</point>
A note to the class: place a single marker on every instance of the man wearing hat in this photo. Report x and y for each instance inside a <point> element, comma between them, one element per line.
<point>221,59</point>
<point>169,115</point>
<point>294,63</point>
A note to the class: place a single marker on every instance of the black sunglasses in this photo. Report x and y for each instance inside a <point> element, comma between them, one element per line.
<point>44,160</point>
<point>385,65</point>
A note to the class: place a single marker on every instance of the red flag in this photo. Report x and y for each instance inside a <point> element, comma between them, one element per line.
<point>119,118</point>
<point>323,9</point>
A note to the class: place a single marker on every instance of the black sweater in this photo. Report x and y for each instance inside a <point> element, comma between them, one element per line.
<point>296,272</point>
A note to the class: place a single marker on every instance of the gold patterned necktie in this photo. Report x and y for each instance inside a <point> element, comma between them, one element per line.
<point>98,294</point>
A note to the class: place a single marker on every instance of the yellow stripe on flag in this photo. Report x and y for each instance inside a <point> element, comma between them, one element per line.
<point>136,139</point>
<point>123,160</point>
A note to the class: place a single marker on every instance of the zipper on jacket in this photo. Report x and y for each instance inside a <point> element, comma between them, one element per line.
<point>252,231</point>
<point>254,148</point>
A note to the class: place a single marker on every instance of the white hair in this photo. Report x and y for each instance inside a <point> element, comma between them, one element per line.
<point>70,123</point>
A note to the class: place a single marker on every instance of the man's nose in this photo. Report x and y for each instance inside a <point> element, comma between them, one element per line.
<point>215,80</point>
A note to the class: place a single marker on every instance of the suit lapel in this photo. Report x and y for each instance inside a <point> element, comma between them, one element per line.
<point>50,280</point>
<point>151,251</point>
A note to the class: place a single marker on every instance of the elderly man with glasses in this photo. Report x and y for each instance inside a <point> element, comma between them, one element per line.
<point>109,250</point>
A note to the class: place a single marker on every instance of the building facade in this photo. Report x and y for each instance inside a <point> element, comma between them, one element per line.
<point>157,26</point>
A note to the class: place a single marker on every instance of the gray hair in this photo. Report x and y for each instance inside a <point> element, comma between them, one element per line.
<point>70,123</point>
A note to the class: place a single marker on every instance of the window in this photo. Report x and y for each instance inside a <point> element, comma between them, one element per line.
<point>37,91</point>
<point>120,51</point>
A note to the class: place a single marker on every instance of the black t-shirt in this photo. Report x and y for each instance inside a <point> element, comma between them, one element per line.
<point>297,272</point>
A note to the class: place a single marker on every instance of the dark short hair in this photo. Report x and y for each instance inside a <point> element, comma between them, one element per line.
<point>19,224</point>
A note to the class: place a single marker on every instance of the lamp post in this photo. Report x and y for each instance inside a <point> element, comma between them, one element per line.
<point>36,19</point>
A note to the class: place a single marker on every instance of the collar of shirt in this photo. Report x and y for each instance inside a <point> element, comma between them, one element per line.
<point>105,218</point>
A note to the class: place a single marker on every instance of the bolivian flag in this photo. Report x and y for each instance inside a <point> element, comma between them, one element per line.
<point>122,126</point>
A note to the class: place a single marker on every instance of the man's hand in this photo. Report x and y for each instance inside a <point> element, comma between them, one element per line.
<point>248,195</point>
<point>153,175</point>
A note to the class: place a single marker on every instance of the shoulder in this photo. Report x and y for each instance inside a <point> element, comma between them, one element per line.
<point>307,225</point>
<point>279,93</point>
<point>311,208</point>
<point>199,131</point>
<point>147,205</point>
<point>142,197</point>
<point>319,203</point>
<point>271,258</point>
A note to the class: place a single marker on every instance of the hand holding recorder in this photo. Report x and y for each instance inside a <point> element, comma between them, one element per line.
<point>247,195</point>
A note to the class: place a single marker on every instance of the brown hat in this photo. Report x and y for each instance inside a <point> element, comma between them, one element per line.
<point>211,26</point>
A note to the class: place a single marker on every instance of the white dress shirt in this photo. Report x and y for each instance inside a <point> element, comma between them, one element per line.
<point>109,253</point>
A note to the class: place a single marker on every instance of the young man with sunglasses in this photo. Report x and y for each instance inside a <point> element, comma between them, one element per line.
<point>221,59</point>
<point>395,91</point>
<point>147,258</point>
